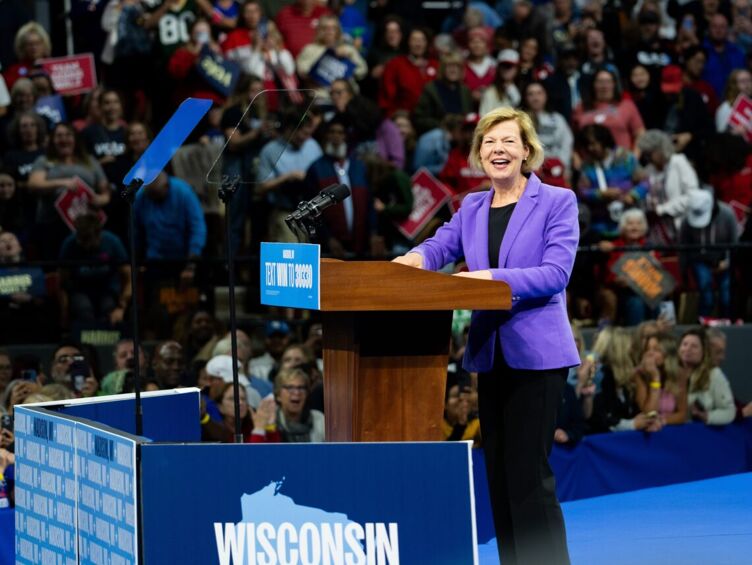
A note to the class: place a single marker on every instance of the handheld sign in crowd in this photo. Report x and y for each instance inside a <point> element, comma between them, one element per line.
<point>22,281</point>
<point>646,276</point>
<point>741,116</point>
<point>52,108</point>
<point>329,68</point>
<point>71,75</point>
<point>72,203</point>
<point>219,73</point>
<point>290,275</point>
<point>429,195</point>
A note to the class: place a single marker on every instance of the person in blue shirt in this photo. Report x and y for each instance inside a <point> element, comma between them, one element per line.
<point>723,55</point>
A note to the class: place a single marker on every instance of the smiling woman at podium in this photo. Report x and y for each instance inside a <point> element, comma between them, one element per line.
<point>525,233</point>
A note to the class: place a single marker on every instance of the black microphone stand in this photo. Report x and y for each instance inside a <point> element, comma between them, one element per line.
<point>129,194</point>
<point>227,189</point>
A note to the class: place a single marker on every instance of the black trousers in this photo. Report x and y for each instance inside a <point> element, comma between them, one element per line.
<point>518,419</point>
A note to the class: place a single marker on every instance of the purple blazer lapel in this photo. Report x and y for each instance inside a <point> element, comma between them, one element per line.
<point>524,207</point>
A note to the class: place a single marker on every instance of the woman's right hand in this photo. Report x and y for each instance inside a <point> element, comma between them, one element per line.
<point>410,259</point>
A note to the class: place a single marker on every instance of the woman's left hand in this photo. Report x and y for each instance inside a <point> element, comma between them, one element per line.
<point>482,275</point>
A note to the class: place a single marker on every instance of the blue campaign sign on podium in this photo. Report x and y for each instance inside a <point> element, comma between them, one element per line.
<point>290,275</point>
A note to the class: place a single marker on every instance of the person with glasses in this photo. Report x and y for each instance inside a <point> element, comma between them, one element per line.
<point>257,426</point>
<point>62,357</point>
<point>295,421</point>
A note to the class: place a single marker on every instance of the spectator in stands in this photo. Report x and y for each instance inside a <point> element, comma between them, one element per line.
<point>262,386</point>
<point>606,106</point>
<point>597,56</point>
<point>480,67</point>
<point>124,362</point>
<point>351,226</point>
<point>170,221</point>
<point>219,372</point>
<point>16,392</point>
<point>22,100</point>
<point>741,26</point>
<point>405,75</point>
<point>99,291</point>
<point>503,91</point>
<point>445,95</point>
<point>66,164</point>
<point>258,47</point>
<point>105,139</point>
<point>183,64</point>
<point>389,44</point>
<point>460,422</point>
<point>369,132</point>
<point>201,336</point>
<point>282,167</point>
<point>614,407</point>
<point>552,128</point>
<point>392,200</point>
<point>297,23</point>
<point>709,222</point>
<point>687,118</point>
<point>225,14</point>
<point>608,178</point>
<point>532,66</point>
<point>258,427</point>
<point>62,357</point>
<point>329,40</point>
<point>527,21</point>
<point>570,421</point>
<point>296,423</point>
<point>278,336</point>
<point>458,174</point>
<point>27,133</point>
<point>670,180</point>
<point>659,387</point>
<point>12,212</point>
<point>168,365</point>
<point>723,55</point>
<point>432,149</point>
<point>739,84</point>
<point>710,398</point>
<point>650,50</point>
<point>694,60</point>
<point>404,124</point>
<point>645,92</point>
<point>32,43</point>
<point>563,86</point>
<point>618,300</point>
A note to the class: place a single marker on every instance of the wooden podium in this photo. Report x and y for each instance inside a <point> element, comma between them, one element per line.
<point>387,329</point>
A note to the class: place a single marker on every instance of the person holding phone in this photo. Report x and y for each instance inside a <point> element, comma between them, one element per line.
<point>523,232</point>
<point>659,387</point>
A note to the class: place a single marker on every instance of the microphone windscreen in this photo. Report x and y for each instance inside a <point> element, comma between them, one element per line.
<point>338,192</point>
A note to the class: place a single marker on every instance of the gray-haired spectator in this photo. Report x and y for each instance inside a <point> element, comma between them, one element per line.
<point>671,179</point>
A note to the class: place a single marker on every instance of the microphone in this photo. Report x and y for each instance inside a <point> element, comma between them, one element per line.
<point>312,209</point>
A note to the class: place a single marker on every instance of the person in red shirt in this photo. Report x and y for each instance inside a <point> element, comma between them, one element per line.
<point>405,75</point>
<point>480,67</point>
<point>694,59</point>
<point>458,175</point>
<point>297,23</point>
<point>31,44</point>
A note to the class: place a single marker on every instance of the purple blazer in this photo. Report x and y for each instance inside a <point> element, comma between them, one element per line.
<point>535,259</point>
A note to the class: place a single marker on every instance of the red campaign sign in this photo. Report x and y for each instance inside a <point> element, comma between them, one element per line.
<point>71,75</point>
<point>741,116</point>
<point>72,203</point>
<point>429,195</point>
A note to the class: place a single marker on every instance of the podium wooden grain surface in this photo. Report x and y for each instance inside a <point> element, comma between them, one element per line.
<point>387,329</point>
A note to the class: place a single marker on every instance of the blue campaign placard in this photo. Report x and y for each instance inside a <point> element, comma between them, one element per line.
<point>366,503</point>
<point>75,491</point>
<point>290,275</point>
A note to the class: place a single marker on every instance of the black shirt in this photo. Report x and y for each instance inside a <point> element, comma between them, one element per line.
<point>498,220</point>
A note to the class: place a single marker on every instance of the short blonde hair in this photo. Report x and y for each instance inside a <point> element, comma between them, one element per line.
<point>24,31</point>
<point>527,133</point>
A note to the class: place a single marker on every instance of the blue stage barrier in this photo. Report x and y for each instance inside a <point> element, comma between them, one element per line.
<point>627,461</point>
